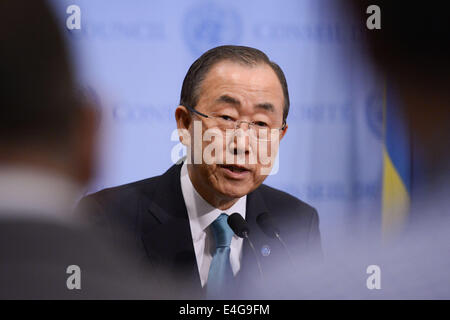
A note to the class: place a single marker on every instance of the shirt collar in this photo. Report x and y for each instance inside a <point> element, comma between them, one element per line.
<point>201,213</point>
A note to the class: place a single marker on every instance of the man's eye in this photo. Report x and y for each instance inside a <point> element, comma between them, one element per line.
<point>261,124</point>
<point>225,117</point>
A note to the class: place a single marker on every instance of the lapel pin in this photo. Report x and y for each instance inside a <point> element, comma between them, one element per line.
<point>265,250</point>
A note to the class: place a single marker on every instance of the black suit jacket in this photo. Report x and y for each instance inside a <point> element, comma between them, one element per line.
<point>153,214</point>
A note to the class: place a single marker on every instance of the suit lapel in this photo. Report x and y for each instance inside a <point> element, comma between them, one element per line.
<point>255,206</point>
<point>165,228</point>
<point>268,250</point>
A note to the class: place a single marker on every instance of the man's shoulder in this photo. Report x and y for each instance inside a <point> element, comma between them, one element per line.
<point>121,204</point>
<point>124,191</point>
<point>117,205</point>
<point>133,190</point>
<point>277,199</point>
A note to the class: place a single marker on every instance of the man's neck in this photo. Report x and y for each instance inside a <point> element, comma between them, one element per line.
<point>36,191</point>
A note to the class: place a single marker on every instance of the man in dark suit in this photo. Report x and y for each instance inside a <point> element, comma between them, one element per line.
<point>232,115</point>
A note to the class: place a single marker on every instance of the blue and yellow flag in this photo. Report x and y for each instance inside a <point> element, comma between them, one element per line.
<point>396,192</point>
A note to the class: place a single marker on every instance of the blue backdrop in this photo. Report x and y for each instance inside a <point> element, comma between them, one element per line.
<point>134,55</point>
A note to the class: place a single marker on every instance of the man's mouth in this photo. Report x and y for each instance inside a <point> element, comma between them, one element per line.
<point>234,168</point>
<point>235,171</point>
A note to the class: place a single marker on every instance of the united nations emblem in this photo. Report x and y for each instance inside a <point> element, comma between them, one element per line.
<point>209,25</point>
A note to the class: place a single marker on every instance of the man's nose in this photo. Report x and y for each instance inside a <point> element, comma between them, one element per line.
<point>240,142</point>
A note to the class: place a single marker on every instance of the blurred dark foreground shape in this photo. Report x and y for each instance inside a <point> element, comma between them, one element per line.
<point>47,154</point>
<point>412,52</point>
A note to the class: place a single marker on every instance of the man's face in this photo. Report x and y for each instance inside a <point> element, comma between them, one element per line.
<point>237,92</point>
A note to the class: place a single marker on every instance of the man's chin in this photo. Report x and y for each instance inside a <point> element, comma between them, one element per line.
<point>235,195</point>
<point>235,192</point>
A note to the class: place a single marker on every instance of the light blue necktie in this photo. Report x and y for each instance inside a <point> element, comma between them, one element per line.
<point>220,272</point>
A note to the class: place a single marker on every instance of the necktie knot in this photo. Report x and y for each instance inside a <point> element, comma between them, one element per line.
<point>221,231</point>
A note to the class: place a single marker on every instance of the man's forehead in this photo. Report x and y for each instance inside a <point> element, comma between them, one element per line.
<point>227,76</point>
<point>232,70</point>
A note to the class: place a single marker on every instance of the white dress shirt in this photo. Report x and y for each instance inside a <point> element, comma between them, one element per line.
<point>201,215</point>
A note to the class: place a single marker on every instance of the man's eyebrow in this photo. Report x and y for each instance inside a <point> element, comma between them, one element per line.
<point>265,106</point>
<point>227,99</point>
<point>230,100</point>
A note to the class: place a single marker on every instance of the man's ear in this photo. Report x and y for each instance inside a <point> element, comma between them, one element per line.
<point>184,121</point>
<point>283,132</point>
